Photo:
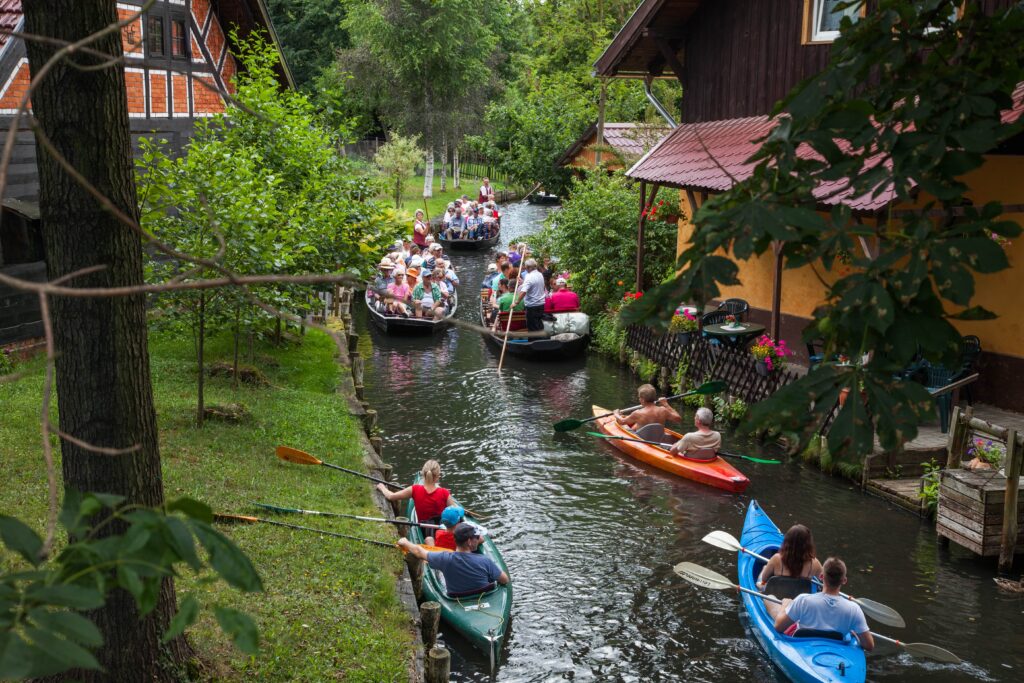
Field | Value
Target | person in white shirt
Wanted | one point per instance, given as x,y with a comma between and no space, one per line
485,191
827,610
533,295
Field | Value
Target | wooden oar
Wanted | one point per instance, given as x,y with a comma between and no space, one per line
304,458
876,610
246,519
702,576
664,447
716,387
383,520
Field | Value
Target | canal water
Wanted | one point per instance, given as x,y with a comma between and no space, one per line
590,537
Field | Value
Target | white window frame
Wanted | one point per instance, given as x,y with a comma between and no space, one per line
817,11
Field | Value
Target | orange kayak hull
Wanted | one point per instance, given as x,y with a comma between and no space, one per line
717,473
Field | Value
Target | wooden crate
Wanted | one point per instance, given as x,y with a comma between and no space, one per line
970,510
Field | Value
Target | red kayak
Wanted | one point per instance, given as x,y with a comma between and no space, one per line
717,472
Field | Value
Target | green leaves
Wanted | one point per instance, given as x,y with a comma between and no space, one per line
240,627
17,536
230,563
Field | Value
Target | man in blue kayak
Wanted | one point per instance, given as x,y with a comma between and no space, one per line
826,610
465,571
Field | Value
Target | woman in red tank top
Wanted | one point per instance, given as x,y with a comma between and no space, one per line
429,498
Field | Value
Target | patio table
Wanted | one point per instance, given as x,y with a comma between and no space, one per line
734,337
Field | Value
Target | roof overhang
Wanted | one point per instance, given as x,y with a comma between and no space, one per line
642,46
249,16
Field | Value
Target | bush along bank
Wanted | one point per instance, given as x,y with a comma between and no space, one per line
329,608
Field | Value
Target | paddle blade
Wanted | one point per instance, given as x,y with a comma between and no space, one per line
568,424
883,614
702,576
297,456
275,508
221,517
723,540
932,652
707,388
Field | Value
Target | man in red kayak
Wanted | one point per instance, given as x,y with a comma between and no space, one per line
652,411
702,444
827,610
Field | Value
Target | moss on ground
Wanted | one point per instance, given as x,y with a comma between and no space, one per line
329,610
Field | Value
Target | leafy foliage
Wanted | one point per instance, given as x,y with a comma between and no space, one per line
311,32
397,161
42,630
938,84
594,236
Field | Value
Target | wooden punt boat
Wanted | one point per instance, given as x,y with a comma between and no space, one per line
481,619
469,245
542,198
534,348
803,660
398,325
717,472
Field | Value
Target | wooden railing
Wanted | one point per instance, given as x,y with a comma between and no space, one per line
708,361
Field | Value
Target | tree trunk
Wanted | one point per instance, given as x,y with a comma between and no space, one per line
104,393
200,353
238,333
456,180
444,163
428,175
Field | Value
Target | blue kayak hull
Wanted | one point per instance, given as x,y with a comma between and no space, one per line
803,660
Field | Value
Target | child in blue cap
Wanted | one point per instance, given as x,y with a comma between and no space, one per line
450,518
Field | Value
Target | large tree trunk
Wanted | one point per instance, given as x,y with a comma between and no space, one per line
428,175
456,180
103,382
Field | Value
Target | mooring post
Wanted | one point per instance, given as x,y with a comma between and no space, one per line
403,529
1014,456
370,421
415,565
430,619
378,445
358,370
353,342
437,665
386,468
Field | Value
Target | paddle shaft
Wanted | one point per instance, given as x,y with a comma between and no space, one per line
636,407
299,511
508,326
662,446
364,476
253,520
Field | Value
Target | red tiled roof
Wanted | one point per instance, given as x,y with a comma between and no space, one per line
10,15
623,137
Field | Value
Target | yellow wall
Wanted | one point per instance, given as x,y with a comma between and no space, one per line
1001,178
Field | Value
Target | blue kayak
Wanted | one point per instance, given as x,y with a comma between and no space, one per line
801,659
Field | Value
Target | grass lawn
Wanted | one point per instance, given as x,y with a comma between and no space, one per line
412,197
329,610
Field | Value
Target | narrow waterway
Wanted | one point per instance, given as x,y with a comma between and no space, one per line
590,537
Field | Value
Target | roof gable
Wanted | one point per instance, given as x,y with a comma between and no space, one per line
634,52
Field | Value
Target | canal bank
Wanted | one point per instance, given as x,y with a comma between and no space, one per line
590,536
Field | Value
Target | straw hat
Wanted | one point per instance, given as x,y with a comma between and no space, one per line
386,264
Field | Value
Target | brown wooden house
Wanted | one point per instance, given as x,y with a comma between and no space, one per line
735,59
173,53
623,142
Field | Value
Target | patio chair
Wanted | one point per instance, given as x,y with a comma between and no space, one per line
970,350
736,307
712,318
937,377
815,352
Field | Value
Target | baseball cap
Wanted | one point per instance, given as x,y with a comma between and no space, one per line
465,531
492,267
452,516
397,244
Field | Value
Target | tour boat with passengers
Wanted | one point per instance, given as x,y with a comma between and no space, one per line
565,335
393,324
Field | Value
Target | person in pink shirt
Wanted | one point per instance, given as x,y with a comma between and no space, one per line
399,289
562,299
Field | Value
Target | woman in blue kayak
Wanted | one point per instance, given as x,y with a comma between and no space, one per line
795,559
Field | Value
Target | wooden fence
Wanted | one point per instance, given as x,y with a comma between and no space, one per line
707,361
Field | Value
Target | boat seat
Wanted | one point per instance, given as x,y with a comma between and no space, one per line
784,587
816,633
468,594
701,455
654,432
518,321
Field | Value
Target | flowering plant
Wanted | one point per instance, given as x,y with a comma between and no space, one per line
1000,240
986,450
631,296
771,352
683,323
731,319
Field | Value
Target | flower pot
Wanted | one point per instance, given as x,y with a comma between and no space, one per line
762,368
683,338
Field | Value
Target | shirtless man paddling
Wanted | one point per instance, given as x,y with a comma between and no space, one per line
652,410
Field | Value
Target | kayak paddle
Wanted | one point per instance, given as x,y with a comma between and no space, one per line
702,576
304,458
297,511
246,519
876,610
705,389
663,446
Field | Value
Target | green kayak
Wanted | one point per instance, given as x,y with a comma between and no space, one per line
481,619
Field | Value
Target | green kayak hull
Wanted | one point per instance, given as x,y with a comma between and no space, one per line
483,619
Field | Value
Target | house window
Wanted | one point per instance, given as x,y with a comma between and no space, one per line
822,20
179,38
155,33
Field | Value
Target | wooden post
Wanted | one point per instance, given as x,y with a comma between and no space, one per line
1014,456
776,323
353,342
378,446
358,368
370,421
430,619
600,121
664,378
403,529
415,565
437,665
640,237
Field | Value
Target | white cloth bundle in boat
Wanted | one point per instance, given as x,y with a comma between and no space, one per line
575,323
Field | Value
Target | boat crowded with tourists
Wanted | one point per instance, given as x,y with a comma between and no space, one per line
715,472
471,243
565,335
393,323
812,657
482,619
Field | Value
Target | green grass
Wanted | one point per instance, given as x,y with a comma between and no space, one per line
412,196
329,610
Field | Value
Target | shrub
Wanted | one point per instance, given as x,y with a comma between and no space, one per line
6,363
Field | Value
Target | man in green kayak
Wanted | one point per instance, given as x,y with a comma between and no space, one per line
465,571
826,610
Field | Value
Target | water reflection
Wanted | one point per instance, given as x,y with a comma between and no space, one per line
590,536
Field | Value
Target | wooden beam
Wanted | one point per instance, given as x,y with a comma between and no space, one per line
671,59
1014,456
776,323
600,122
640,236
